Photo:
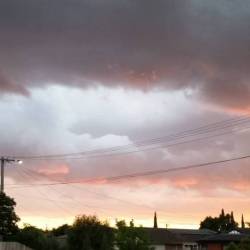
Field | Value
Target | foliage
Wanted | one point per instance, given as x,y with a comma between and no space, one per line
131,237
242,222
8,217
88,233
36,239
232,246
222,223
245,244
62,230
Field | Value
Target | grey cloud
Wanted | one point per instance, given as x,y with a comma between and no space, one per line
7,86
140,44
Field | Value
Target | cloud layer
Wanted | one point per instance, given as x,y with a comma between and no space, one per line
84,74
47,123
138,44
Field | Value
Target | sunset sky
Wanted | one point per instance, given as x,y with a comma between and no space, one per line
84,75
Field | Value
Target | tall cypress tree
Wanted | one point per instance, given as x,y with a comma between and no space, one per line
232,218
222,213
242,222
155,221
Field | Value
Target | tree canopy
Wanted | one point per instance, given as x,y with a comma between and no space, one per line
8,217
88,233
36,239
131,237
222,223
244,245
61,230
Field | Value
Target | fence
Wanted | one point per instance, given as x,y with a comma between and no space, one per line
13,246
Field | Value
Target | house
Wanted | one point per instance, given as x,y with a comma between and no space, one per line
190,237
163,239
221,240
168,239
176,239
244,231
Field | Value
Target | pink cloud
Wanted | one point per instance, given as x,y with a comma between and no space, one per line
55,170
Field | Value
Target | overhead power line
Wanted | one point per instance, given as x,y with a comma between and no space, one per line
137,174
35,175
228,126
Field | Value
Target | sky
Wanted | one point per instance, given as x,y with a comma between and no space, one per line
84,75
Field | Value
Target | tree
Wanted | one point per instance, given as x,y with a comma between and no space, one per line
8,217
222,223
242,221
62,230
232,246
245,244
36,238
210,223
222,213
88,233
131,237
155,220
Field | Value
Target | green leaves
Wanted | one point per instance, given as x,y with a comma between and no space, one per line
8,217
88,233
244,245
131,237
36,239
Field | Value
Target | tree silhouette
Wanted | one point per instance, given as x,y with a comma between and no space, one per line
155,221
245,244
36,239
242,222
8,217
61,230
232,246
88,233
131,237
222,223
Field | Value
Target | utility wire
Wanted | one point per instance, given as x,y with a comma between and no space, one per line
35,175
138,174
162,146
57,203
226,124
149,143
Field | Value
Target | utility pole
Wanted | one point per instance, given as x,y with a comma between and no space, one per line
3,161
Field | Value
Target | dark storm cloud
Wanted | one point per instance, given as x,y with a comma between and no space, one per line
202,45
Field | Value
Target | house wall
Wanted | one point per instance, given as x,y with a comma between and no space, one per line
173,247
13,246
190,246
159,247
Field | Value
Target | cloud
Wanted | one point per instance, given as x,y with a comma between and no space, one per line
7,86
54,170
135,44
